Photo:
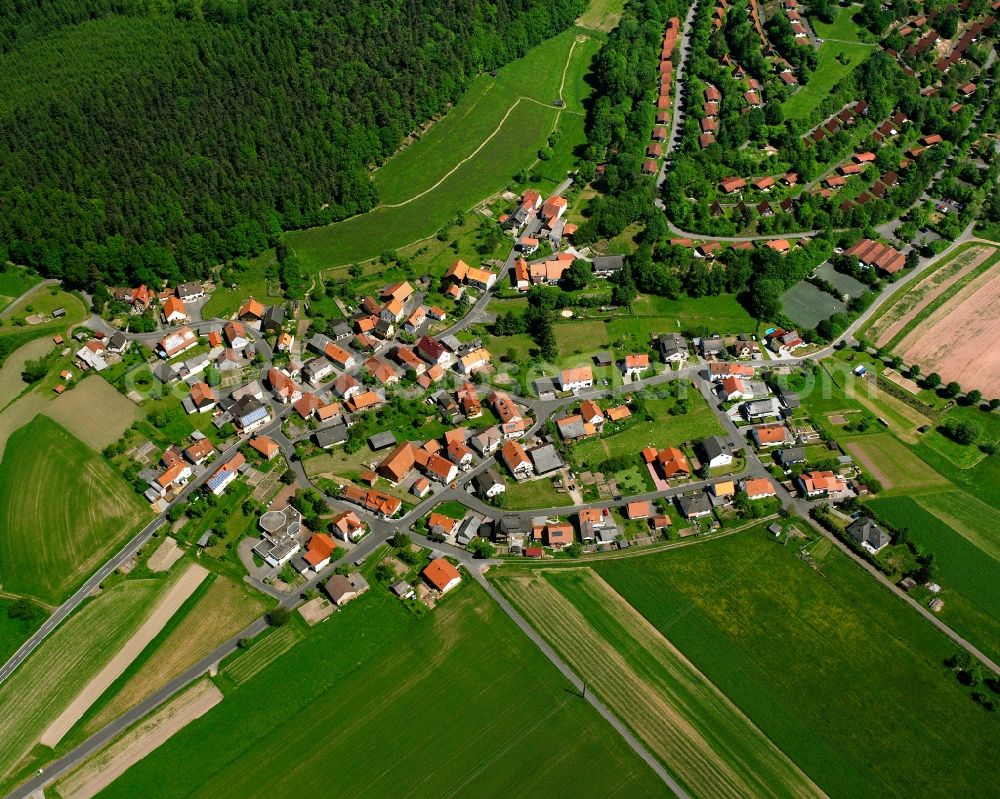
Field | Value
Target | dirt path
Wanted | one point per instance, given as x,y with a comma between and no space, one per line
168,605
107,765
958,340
935,285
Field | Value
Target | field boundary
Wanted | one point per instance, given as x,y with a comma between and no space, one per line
158,617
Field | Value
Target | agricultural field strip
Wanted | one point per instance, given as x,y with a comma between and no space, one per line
249,664
107,764
677,715
30,698
170,602
915,298
970,517
942,342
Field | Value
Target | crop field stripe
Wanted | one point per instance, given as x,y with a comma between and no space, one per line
970,517
262,654
661,710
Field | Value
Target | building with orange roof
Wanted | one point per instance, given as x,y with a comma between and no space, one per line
199,451
517,459
348,526
177,342
202,397
591,412
779,245
618,413
480,278
637,510
400,292
267,447
759,488
174,311
558,535
398,464
339,356
574,379
439,523
318,551
457,271
553,208
251,311
441,575
769,435
673,462
820,484
364,401
283,386
730,185
235,334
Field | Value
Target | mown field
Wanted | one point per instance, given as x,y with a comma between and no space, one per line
34,695
970,578
539,493
62,510
14,281
699,735
842,677
380,703
495,129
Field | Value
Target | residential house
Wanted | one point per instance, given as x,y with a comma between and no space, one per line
347,526
487,441
607,265
716,451
821,484
177,342
91,355
694,506
433,351
174,311
331,436
236,335
758,488
545,459
225,474
400,292
638,510
474,360
343,588
317,370
415,320
575,379
441,575
249,413
868,534
346,386
251,311
381,370
634,365
284,389
274,318
202,398
769,435
489,484
711,346
503,407
791,456
517,460
318,552
117,343
761,409
398,464
267,447
673,348
723,490
189,292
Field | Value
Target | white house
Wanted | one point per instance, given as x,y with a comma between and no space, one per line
574,379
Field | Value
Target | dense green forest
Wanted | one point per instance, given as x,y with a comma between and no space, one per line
144,140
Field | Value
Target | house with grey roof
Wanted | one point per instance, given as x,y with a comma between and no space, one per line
694,506
327,437
489,483
607,265
790,456
673,348
717,451
868,534
545,458
761,409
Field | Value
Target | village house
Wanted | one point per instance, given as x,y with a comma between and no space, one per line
868,534
716,451
225,474
346,386
343,588
189,292
267,447
694,506
670,461
201,398
317,370
769,435
441,575
347,526
634,365
274,318
251,311
433,351
517,460
174,311
821,484
249,413
673,348
236,335
575,379
758,488
284,389
489,484
177,342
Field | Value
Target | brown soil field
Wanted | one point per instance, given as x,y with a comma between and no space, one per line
925,292
168,605
317,609
958,340
104,767
223,610
712,748
94,412
165,556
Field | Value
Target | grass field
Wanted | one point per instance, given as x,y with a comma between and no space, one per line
31,698
15,631
602,14
94,412
970,578
494,130
62,509
663,431
700,736
843,283
894,464
842,677
968,515
14,281
381,703
251,282
218,614
843,27
829,71
539,493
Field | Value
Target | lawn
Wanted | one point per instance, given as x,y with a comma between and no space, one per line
494,130
968,515
817,660
843,27
843,283
829,71
579,337
382,703
699,735
62,511
664,430
42,300
720,313
970,578
30,699
540,493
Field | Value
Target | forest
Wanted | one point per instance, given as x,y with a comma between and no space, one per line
146,140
